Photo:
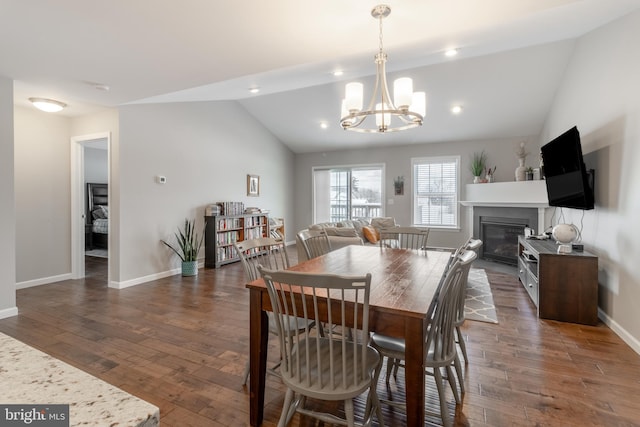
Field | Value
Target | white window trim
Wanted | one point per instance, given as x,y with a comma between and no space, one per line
382,166
436,159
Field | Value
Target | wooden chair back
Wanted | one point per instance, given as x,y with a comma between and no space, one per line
404,237
315,242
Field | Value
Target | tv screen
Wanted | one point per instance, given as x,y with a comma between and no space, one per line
569,184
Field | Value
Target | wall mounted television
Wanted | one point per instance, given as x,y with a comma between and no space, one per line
569,183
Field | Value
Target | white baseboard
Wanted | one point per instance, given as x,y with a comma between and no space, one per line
149,278
144,279
8,312
632,341
43,281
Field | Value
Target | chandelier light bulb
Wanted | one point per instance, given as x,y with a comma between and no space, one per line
383,117
403,92
419,103
353,96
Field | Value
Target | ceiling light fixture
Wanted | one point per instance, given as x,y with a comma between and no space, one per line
451,53
254,89
456,109
408,110
48,105
338,73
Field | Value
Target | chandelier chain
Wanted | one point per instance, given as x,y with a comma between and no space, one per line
380,36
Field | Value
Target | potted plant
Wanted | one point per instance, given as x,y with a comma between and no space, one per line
398,185
188,247
478,164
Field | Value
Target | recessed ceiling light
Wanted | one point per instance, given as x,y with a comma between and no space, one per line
254,89
48,105
456,109
324,125
338,73
450,53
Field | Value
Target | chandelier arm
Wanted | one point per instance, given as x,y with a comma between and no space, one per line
404,117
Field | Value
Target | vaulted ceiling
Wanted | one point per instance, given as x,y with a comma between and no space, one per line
512,55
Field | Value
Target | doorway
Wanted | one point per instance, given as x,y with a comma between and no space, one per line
90,163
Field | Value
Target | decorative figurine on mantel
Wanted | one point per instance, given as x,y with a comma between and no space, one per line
521,154
488,177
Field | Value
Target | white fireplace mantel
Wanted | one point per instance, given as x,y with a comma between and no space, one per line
518,194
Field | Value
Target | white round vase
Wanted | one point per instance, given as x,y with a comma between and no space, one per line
565,233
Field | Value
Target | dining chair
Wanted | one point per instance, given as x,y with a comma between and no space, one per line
404,237
474,246
400,237
440,340
324,367
270,253
315,242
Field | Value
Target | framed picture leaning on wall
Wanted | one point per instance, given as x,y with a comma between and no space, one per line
253,185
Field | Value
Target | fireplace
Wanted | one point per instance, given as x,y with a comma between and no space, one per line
500,238
499,228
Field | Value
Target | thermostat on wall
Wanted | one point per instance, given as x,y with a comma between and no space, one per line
160,179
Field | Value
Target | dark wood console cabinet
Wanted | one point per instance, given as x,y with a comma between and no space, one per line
563,287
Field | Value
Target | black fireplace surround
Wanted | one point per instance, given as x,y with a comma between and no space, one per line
499,228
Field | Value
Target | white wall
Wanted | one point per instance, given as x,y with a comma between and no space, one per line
43,203
600,93
205,150
397,160
7,203
95,165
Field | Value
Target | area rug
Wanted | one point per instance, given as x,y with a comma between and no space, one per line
479,303
100,253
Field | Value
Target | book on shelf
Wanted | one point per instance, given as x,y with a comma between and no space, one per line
212,210
231,208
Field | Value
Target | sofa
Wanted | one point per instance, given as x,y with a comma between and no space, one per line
350,232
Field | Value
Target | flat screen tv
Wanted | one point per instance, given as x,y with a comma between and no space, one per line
569,183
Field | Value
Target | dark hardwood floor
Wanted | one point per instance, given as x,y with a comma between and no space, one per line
182,344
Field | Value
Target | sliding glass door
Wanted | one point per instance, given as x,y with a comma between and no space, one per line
343,193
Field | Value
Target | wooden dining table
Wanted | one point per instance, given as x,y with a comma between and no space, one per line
403,285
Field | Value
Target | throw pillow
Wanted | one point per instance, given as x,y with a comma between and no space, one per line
340,231
321,225
383,222
371,234
100,212
346,232
356,224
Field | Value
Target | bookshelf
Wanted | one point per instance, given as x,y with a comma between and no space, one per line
222,231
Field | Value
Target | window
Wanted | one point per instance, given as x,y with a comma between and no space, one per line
435,191
343,193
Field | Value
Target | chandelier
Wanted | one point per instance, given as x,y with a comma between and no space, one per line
382,114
